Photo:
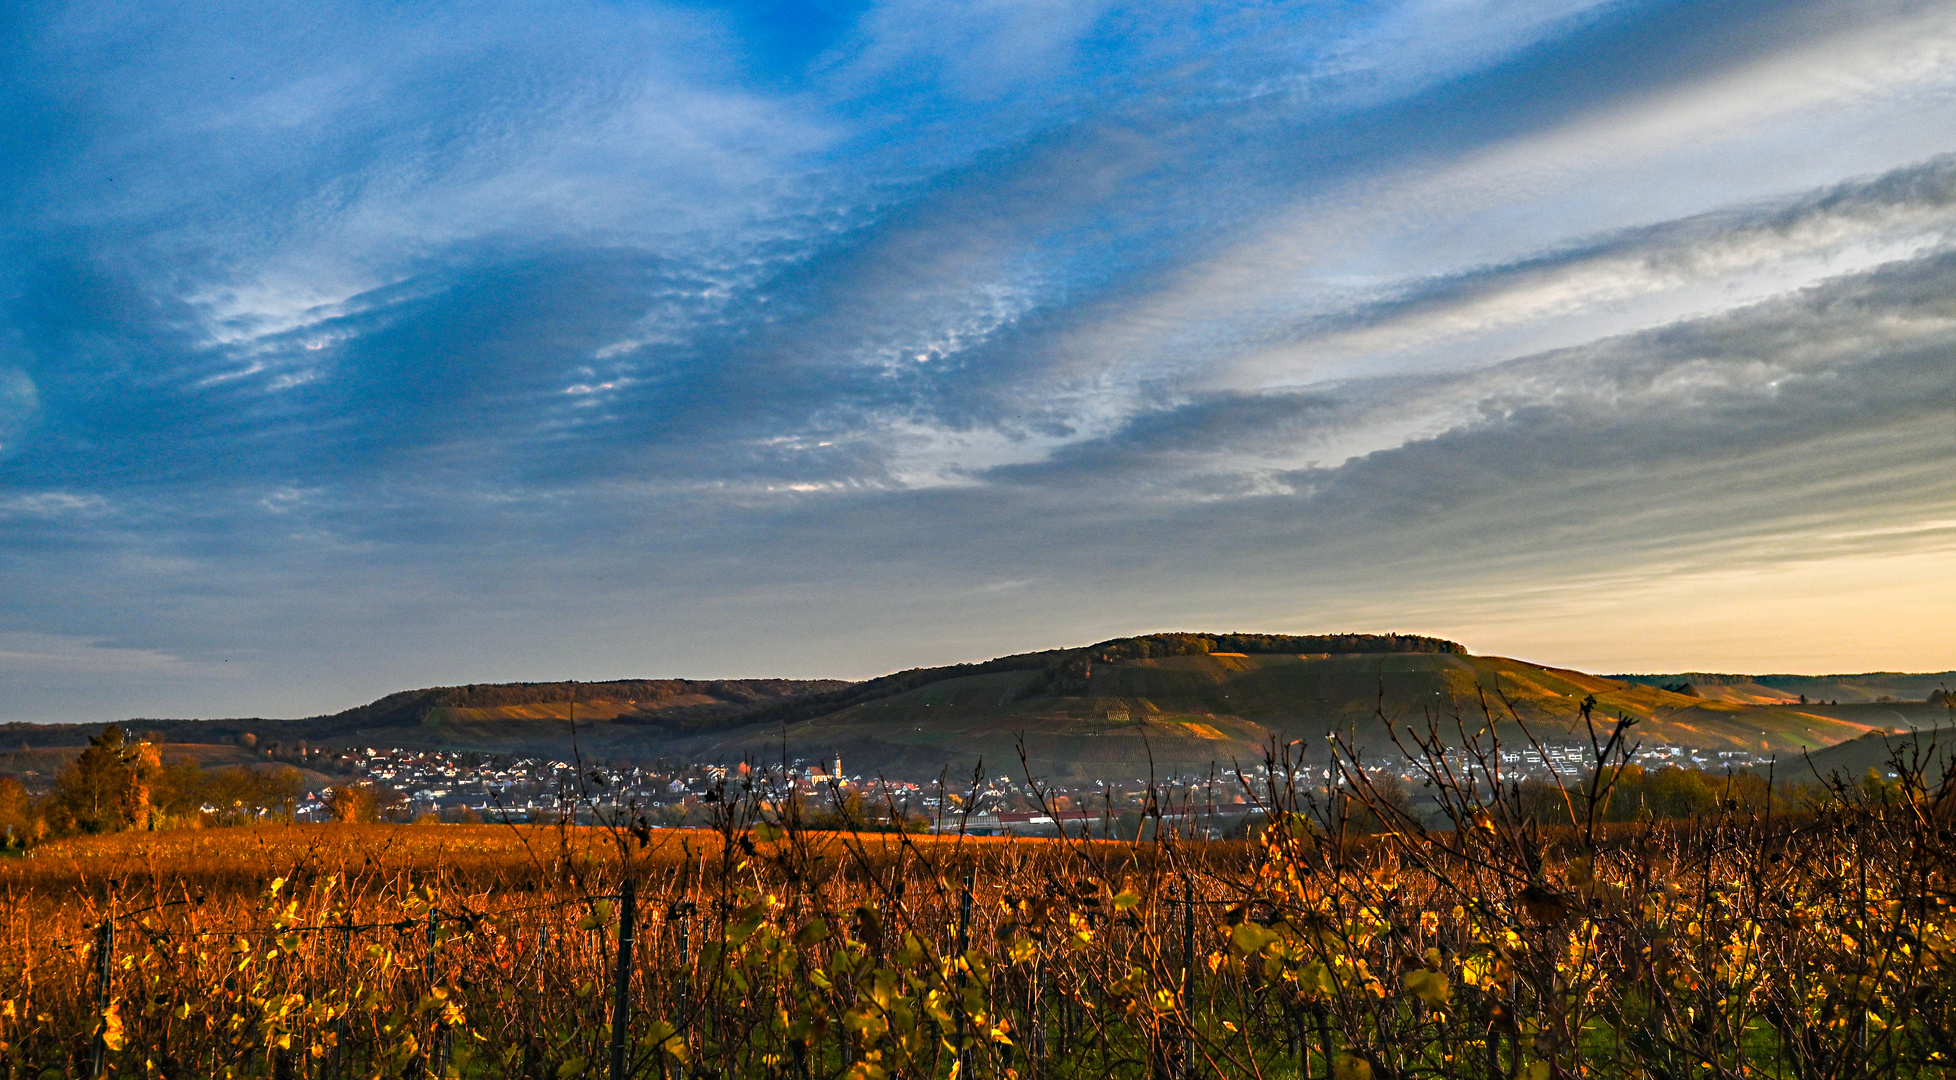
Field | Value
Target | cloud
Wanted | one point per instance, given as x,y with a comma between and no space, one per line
1596,162
52,504
30,654
19,405
1861,355
351,346
1645,277
978,52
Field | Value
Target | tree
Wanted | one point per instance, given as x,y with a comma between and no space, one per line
138,793
107,788
362,800
14,813
180,790
243,795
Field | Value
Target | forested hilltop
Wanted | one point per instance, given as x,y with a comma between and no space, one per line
498,715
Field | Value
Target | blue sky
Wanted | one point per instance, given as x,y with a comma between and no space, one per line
346,347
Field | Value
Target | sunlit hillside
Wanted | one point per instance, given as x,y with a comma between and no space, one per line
1866,688
1179,702
1193,711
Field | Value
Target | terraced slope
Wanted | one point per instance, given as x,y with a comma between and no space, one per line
1188,712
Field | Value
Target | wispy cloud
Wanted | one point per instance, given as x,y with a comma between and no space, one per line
350,345
45,654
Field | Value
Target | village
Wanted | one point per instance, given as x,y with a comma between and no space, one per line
468,786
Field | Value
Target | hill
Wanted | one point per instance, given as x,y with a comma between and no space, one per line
1185,700
608,713
1936,748
38,769
530,717
1190,701
1873,687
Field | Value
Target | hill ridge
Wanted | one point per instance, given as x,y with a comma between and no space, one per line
1062,668
1862,687
646,695
1182,699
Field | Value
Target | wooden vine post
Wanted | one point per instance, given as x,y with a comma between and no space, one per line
964,946
104,957
1188,975
621,1002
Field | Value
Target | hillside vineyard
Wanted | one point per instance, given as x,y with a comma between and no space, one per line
1346,940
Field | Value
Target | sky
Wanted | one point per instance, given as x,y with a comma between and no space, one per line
346,348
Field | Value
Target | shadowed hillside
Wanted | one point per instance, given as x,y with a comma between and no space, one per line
488,706
1931,749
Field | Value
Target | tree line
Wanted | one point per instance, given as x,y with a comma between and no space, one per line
1069,674
117,784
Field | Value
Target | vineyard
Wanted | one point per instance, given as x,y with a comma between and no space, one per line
1348,940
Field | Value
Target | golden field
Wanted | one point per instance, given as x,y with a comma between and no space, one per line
1344,942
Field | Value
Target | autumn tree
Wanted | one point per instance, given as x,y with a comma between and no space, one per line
362,800
241,795
108,787
139,791
15,812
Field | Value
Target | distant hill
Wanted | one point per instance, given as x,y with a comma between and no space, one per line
1186,700
1062,671
1853,759
1191,700
1870,687
38,768
483,716
676,701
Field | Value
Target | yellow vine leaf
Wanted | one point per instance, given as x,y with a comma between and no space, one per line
111,1028
1350,1067
1430,987
1249,938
